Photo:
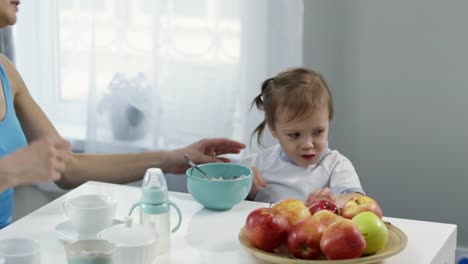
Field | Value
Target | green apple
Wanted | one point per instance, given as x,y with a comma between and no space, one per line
373,229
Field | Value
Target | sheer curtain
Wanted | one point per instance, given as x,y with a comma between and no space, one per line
136,75
6,43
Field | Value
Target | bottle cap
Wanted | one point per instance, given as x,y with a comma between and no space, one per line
154,187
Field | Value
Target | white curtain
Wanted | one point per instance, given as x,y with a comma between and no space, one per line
154,74
6,43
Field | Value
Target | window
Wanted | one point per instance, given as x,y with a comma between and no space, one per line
187,69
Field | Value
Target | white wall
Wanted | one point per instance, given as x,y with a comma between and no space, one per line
399,73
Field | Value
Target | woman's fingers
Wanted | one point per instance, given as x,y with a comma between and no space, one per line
56,150
219,146
56,175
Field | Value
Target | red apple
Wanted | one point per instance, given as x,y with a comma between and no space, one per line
323,205
359,204
342,240
304,238
266,229
293,209
326,217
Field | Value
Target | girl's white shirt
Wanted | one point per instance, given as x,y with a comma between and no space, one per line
287,180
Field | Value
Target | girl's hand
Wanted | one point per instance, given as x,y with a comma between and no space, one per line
323,194
257,184
41,160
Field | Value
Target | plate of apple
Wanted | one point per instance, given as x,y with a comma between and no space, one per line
291,232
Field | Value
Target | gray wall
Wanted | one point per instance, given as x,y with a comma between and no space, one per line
399,74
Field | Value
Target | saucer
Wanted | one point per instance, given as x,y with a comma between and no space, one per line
66,232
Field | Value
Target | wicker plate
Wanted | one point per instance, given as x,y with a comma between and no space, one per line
396,243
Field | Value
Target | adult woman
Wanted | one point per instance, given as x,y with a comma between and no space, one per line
31,150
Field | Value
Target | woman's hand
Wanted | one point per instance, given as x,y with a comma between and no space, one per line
322,194
203,151
41,160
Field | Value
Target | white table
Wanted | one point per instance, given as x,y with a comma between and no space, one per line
211,237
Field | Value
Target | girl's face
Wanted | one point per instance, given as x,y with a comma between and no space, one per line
8,9
304,140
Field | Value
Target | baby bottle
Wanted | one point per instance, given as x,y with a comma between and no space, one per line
154,208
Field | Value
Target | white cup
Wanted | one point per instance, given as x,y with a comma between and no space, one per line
90,213
93,251
19,251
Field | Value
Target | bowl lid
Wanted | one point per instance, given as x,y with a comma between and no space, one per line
129,234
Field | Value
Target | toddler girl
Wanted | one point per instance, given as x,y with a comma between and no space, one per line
298,108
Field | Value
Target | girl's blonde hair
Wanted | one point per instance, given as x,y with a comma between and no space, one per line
294,94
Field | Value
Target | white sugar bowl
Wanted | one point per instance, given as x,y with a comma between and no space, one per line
136,243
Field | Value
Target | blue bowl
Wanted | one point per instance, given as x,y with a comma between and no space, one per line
219,194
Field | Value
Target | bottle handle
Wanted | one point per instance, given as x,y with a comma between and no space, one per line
133,207
171,203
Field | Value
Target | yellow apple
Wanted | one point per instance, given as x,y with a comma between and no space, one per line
293,209
359,204
326,217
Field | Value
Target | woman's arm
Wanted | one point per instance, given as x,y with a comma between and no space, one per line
117,168
34,122
125,168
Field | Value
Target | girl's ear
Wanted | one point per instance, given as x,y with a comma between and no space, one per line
271,127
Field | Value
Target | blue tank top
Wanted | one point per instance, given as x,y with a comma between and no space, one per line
11,138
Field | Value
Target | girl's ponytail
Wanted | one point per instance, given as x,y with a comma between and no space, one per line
259,103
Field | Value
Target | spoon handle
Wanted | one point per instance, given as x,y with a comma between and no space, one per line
202,172
191,163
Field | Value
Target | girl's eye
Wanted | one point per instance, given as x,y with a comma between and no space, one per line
318,132
294,135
